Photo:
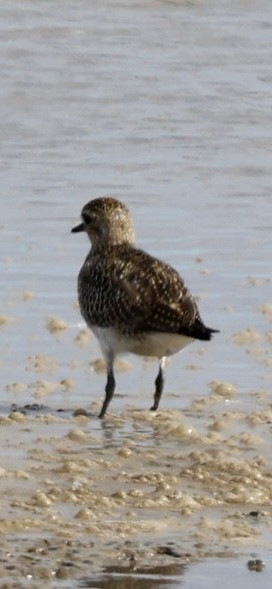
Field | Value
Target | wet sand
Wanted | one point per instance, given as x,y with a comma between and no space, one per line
166,105
138,495
137,491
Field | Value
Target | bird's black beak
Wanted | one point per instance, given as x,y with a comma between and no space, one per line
78,228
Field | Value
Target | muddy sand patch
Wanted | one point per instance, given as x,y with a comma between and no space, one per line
137,489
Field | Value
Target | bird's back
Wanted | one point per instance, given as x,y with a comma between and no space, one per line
130,290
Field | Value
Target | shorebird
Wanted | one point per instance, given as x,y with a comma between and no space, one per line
132,301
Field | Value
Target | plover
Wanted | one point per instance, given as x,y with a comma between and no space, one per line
133,302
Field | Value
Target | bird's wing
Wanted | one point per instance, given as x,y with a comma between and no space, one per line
147,294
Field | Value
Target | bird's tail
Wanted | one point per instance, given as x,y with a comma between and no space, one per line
199,331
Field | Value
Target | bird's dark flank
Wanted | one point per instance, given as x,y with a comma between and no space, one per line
132,301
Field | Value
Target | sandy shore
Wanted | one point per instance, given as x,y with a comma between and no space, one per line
137,490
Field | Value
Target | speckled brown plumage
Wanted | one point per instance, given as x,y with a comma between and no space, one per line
132,301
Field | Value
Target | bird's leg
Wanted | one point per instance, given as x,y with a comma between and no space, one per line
109,389
159,382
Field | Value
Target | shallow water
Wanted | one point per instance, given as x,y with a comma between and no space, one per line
166,105
213,571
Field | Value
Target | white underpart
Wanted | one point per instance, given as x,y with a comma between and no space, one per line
154,343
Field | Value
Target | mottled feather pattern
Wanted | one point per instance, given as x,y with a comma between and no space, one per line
129,289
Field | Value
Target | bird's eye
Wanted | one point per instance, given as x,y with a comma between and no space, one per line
86,218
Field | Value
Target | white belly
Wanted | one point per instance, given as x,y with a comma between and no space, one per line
153,344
